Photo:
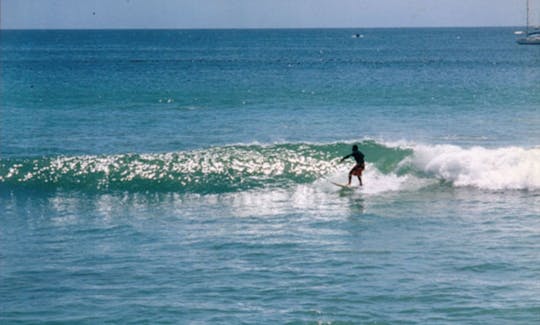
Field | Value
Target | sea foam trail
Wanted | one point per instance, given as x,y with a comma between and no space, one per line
512,168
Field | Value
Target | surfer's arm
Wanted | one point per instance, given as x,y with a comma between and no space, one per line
347,156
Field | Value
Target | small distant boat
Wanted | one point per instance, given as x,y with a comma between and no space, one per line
531,39
532,34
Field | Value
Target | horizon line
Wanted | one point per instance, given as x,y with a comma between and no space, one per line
257,28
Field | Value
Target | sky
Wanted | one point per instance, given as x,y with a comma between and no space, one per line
185,14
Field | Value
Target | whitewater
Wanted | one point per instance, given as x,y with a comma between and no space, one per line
185,176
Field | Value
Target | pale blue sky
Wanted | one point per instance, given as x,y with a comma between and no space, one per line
66,14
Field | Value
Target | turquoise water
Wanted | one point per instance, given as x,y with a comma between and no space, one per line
184,176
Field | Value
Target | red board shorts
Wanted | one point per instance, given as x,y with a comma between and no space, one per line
357,170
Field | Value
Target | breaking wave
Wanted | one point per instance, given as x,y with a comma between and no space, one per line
509,168
390,167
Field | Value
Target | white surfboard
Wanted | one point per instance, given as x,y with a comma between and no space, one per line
345,186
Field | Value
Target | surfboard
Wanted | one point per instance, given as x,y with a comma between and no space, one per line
345,186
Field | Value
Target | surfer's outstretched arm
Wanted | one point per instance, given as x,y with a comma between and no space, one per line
343,159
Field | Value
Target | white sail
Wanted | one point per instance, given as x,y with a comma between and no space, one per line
533,15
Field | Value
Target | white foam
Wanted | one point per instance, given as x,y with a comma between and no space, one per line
494,169
376,182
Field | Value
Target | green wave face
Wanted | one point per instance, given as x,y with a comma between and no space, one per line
215,170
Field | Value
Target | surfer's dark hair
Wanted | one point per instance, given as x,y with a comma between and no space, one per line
354,147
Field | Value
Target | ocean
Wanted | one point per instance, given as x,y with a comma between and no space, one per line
184,176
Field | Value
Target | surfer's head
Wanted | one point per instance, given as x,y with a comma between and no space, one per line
355,148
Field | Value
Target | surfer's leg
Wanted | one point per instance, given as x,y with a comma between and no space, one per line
358,173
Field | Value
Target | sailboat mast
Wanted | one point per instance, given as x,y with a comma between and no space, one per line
532,35
528,8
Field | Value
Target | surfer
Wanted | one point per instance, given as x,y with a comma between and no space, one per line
360,165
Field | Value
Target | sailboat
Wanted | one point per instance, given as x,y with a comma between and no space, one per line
532,35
